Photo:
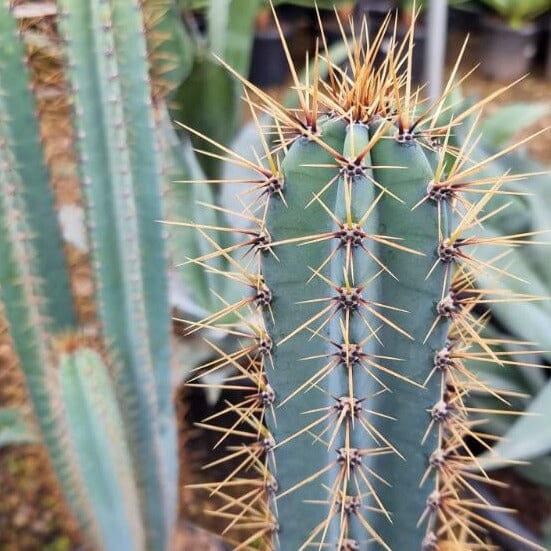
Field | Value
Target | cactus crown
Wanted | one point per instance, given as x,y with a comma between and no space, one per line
363,317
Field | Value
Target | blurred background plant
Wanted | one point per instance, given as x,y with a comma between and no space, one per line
188,84
517,14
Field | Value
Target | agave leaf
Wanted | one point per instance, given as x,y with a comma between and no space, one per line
530,435
218,14
248,145
540,206
516,12
528,321
181,205
206,101
169,42
538,471
239,35
194,288
505,123
505,377
547,541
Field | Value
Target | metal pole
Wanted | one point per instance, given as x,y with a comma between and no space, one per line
435,46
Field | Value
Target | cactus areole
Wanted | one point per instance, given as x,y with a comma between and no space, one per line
355,420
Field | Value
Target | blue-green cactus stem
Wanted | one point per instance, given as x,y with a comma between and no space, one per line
121,180
95,435
288,277
371,335
26,307
20,128
419,296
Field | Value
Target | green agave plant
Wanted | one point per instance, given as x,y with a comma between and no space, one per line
362,314
518,13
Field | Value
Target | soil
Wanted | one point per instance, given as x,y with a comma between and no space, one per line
533,503
32,515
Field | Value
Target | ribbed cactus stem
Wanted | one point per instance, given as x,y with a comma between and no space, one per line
420,295
72,398
357,419
287,276
110,431
367,297
95,436
20,127
26,308
121,176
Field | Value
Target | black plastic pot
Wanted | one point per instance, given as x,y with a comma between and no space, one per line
546,47
505,53
290,13
269,65
462,19
331,28
375,11
543,22
418,61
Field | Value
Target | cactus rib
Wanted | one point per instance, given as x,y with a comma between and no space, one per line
26,307
109,429
96,437
120,192
17,112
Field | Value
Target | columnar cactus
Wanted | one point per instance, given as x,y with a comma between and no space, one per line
355,420
104,407
120,171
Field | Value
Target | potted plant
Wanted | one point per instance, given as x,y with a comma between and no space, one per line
375,12
269,65
330,18
408,11
546,43
509,37
463,15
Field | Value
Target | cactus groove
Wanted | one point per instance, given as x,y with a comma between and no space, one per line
362,324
